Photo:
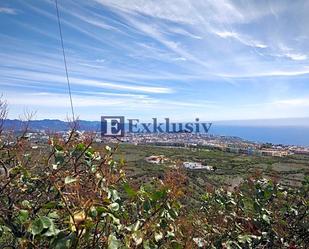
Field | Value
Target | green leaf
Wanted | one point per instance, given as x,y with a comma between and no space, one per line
62,241
170,234
163,224
244,239
80,147
173,213
23,215
176,245
137,237
114,195
266,218
89,153
36,226
26,204
134,227
147,206
147,244
78,150
101,210
53,215
158,236
113,242
52,231
158,195
130,191
115,220
59,158
58,147
114,207
1,231
248,205
69,179
50,205
39,224
93,212
47,222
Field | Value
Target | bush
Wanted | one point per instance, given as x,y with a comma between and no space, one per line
258,214
71,196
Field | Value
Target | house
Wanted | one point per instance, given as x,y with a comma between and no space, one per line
197,165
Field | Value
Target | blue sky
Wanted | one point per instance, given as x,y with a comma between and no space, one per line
217,60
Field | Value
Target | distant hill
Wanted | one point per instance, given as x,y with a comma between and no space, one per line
59,125
51,125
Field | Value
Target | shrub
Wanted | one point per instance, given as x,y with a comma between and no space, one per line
70,196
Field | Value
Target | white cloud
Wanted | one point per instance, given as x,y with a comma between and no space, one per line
51,78
180,59
241,38
173,10
296,57
154,32
291,53
181,31
135,88
270,73
190,12
84,100
8,11
116,101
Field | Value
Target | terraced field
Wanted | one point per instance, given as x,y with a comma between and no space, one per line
230,168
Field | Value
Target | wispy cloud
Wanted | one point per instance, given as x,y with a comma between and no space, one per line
9,11
31,100
180,59
58,79
241,38
296,57
287,52
270,73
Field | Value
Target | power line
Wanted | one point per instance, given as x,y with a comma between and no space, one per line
64,60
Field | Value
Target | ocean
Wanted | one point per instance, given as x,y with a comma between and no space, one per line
287,135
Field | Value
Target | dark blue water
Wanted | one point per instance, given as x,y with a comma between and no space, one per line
287,135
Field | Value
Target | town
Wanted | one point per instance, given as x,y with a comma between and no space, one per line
189,140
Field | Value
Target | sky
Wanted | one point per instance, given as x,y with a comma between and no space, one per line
182,59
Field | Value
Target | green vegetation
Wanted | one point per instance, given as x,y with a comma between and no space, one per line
230,167
70,196
76,194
